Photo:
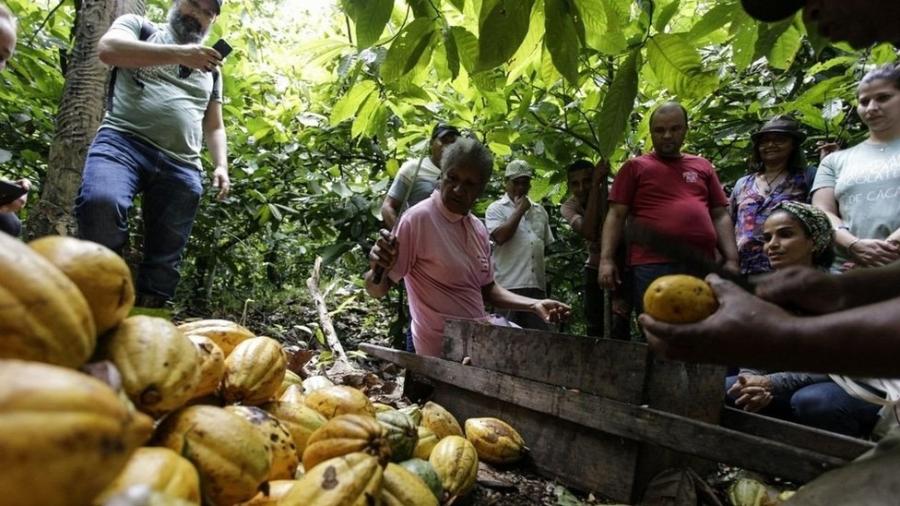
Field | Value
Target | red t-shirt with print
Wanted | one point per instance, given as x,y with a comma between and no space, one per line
671,196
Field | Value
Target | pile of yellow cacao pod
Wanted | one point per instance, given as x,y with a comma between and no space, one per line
99,408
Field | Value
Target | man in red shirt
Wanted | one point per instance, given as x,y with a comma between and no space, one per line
676,194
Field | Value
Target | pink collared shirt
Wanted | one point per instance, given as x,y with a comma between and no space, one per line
445,259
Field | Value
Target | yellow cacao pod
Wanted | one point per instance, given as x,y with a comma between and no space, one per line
254,371
211,365
293,394
300,420
64,436
313,383
229,453
495,440
43,315
276,490
400,487
456,462
340,400
350,480
285,458
290,378
157,362
425,443
226,334
440,421
343,435
162,470
102,276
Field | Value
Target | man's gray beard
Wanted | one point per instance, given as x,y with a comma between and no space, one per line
182,30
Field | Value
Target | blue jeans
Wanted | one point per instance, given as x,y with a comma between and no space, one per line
823,405
118,167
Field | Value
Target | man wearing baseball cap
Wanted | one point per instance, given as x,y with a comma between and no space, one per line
165,100
418,177
520,231
859,22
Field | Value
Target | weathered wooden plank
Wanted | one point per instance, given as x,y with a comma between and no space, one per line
606,367
577,456
621,419
691,390
801,436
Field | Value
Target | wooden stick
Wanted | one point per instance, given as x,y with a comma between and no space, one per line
622,419
331,337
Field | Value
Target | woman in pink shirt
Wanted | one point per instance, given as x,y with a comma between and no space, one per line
443,254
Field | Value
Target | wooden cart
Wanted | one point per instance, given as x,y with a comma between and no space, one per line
605,416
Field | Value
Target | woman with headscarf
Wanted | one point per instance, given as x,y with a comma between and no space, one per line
800,234
778,174
859,187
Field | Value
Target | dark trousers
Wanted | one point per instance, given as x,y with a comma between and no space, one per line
118,167
526,319
823,405
10,224
593,307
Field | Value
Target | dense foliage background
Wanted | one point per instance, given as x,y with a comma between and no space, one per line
325,101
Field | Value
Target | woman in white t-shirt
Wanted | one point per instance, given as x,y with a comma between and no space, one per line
859,187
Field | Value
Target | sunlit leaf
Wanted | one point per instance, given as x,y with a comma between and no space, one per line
467,44
743,44
618,104
370,17
721,14
502,27
785,48
677,65
602,26
665,14
347,106
406,50
563,45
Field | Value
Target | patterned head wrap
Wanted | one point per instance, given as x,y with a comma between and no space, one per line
814,220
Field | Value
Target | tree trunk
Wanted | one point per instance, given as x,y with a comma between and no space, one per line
80,111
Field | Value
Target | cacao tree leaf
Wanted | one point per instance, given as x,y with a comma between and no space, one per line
406,50
563,45
785,48
618,104
883,54
602,26
424,8
743,44
452,52
467,45
721,14
347,106
502,27
459,4
529,52
677,65
769,33
665,14
370,17
364,116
